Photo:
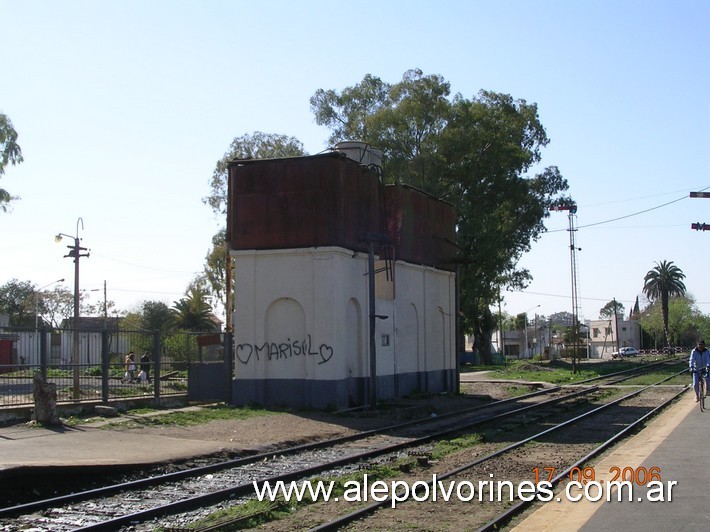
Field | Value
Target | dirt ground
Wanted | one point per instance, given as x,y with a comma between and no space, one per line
273,431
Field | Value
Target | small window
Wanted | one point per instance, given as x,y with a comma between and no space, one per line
385,340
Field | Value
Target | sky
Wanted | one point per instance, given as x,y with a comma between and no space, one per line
123,108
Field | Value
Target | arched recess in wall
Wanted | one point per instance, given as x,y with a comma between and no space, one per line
285,322
449,357
443,335
355,357
354,353
408,340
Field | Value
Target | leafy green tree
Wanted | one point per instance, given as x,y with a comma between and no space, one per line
561,319
682,321
156,316
520,320
349,112
256,146
193,312
661,283
474,153
702,328
214,277
17,300
10,153
611,309
685,322
505,320
58,305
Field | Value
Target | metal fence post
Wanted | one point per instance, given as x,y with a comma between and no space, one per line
43,358
229,364
104,366
156,366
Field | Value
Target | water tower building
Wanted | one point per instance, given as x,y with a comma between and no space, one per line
344,288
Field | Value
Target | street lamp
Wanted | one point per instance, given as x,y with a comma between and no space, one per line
75,253
526,330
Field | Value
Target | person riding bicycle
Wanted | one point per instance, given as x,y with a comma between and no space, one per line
699,359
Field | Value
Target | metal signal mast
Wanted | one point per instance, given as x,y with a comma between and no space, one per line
572,216
700,226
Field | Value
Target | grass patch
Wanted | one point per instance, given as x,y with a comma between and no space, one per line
561,371
210,413
183,418
444,448
516,391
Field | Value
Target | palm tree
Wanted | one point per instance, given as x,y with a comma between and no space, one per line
663,282
193,312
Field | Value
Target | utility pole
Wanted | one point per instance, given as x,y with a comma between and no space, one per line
572,208
75,253
105,307
616,325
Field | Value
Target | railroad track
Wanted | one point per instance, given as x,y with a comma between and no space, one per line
130,503
520,461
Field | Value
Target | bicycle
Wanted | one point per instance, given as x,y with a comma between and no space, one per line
701,390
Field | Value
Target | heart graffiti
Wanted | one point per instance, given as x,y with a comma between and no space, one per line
284,350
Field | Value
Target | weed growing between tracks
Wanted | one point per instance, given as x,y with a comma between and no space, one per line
254,513
446,447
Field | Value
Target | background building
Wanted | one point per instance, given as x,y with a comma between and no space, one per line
607,336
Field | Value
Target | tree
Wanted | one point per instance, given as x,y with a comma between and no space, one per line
662,282
10,153
474,153
58,305
17,300
214,277
23,303
193,312
156,316
612,309
685,322
348,114
636,310
256,146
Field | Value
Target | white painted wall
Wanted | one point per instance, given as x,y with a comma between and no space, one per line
303,313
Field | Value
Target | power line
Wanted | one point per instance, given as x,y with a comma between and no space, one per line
569,297
633,214
627,215
142,265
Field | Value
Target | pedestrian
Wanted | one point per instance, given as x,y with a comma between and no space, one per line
130,364
144,375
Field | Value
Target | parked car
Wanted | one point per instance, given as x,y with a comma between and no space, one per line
625,352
